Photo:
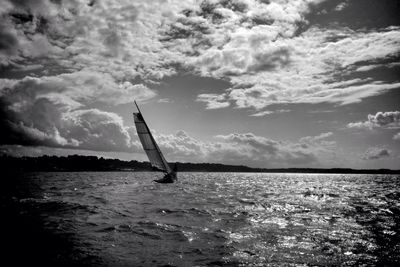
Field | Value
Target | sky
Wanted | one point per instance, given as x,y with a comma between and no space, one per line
263,83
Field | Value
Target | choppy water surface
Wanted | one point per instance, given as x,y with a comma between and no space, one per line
206,219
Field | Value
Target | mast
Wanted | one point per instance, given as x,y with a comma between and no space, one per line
137,107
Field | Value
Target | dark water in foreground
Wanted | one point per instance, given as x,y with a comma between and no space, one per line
206,219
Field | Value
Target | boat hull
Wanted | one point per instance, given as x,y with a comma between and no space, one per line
167,179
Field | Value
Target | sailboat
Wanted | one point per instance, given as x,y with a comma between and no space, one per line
152,150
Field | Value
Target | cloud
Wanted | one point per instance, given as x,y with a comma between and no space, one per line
341,6
83,86
91,52
264,150
213,101
264,45
376,153
374,66
165,100
97,130
269,112
247,148
313,139
8,40
42,124
225,38
118,37
261,43
311,74
52,111
259,97
26,27
389,119
181,146
284,66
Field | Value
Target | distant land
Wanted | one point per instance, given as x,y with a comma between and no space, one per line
93,163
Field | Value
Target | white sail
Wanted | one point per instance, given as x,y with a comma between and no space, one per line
150,146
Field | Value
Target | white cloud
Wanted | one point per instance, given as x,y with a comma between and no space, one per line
389,119
117,37
93,53
269,112
97,130
306,71
83,86
313,139
263,113
374,66
260,45
341,6
165,100
243,41
260,96
213,101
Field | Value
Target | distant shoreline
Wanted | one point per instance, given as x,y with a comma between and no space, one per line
77,163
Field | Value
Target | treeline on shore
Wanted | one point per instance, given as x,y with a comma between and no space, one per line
93,163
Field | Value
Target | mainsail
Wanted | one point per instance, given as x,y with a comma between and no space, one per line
150,146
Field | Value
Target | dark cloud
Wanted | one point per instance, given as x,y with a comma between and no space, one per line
25,31
261,20
9,134
35,7
235,5
46,112
97,130
376,153
268,52
35,125
266,151
211,10
44,123
21,18
267,61
356,14
8,41
301,158
92,2
189,26
385,118
263,145
246,148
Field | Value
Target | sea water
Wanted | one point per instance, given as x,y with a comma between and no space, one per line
205,219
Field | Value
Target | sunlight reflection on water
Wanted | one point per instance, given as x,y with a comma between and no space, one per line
220,219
